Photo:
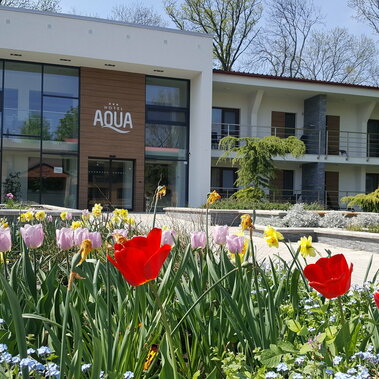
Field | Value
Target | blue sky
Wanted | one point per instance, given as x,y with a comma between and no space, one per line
337,12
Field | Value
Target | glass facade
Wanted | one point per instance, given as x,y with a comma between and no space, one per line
166,139
40,131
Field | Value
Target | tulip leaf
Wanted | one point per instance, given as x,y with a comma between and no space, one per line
272,357
294,325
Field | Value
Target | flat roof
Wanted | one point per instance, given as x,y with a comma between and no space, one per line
283,78
104,20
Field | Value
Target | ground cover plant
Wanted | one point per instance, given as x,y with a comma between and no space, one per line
104,297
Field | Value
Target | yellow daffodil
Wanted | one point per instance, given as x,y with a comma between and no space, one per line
115,220
40,215
96,210
63,216
130,221
29,216
213,196
161,191
246,222
272,237
85,249
306,248
122,213
22,217
76,224
150,357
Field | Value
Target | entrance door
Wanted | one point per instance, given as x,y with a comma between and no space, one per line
332,189
110,182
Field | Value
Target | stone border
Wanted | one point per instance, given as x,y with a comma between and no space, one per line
338,237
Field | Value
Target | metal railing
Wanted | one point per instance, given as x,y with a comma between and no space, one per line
317,142
328,199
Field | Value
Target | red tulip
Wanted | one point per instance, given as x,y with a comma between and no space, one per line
330,276
140,259
376,298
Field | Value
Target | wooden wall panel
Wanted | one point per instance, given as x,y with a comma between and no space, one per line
98,89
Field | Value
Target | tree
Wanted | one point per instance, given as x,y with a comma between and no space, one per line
233,24
339,56
367,10
137,14
281,46
68,125
42,5
32,127
254,157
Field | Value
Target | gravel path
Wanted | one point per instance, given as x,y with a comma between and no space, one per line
360,259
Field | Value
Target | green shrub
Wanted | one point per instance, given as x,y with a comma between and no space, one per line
368,203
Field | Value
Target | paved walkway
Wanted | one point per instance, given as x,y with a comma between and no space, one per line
360,259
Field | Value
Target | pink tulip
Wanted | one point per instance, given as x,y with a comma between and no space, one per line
235,243
5,239
65,238
168,237
32,235
49,218
198,240
219,234
80,234
95,238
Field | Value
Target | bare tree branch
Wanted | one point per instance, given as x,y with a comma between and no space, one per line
367,10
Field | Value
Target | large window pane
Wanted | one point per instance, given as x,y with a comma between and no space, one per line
166,140
59,180
61,81
172,174
22,98
21,173
60,123
166,92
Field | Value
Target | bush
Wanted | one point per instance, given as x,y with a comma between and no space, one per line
364,221
333,220
368,203
298,217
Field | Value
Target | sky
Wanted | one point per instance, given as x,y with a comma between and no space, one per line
336,11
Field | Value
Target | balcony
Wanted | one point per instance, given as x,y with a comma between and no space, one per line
318,142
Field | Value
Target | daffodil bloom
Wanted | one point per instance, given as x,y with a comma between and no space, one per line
306,248
150,357
40,215
96,210
272,237
76,224
161,191
246,222
85,249
130,221
29,216
115,220
63,216
213,196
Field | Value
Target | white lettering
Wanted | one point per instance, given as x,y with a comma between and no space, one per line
128,120
117,121
108,119
98,118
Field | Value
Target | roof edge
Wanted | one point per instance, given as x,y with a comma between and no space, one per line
104,20
301,80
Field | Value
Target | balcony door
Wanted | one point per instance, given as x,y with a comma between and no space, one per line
283,124
333,128
110,182
225,122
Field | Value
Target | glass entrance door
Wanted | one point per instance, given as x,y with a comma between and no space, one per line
110,182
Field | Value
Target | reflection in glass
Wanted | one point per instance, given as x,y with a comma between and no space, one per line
110,182
167,92
61,81
22,97
172,174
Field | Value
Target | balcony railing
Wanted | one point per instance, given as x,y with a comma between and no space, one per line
329,199
317,142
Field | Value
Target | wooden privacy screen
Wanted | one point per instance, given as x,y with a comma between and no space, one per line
105,99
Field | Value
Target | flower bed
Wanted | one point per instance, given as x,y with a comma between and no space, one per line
103,297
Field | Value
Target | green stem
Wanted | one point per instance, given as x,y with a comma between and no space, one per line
167,329
200,298
339,302
109,315
155,208
206,228
62,360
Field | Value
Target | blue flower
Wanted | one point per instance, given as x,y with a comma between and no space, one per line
101,374
16,359
341,375
337,360
30,351
2,321
39,367
30,363
128,375
52,369
3,347
43,351
351,371
281,367
86,367
271,374
7,357
296,375
299,360
329,371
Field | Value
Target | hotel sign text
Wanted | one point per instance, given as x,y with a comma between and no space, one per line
113,117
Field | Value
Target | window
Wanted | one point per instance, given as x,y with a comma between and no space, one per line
372,182
223,179
225,122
